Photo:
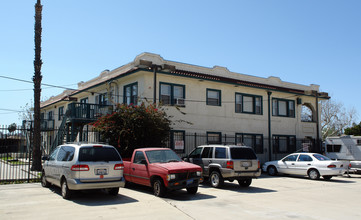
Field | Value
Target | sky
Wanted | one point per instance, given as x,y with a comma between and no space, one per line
300,41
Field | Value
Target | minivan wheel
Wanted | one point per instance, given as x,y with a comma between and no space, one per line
216,179
44,182
244,182
65,191
113,191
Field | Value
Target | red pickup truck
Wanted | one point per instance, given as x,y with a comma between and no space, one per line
162,169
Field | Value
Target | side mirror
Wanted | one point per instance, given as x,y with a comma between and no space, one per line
45,157
185,159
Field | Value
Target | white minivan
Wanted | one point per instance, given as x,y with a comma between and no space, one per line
82,167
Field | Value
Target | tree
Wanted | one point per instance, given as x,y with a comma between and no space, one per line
130,127
36,165
354,130
335,118
12,128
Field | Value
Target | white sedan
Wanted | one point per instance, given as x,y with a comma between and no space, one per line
312,164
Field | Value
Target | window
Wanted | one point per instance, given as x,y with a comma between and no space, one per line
196,153
251,140
54,153
60,113
291,158
284,144
213,97
172,94
248,104
220,153
214,138
207,152
333,147
358,142
89,154
178,141
304,157
101,99
283,108
66,153
131,94
139,157
50,115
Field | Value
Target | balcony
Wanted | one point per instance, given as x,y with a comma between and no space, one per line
83,113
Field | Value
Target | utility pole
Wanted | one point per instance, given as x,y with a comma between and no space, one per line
36,164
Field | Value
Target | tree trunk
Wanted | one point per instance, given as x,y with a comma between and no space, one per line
36,164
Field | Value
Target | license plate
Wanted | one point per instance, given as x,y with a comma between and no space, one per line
246,164
189,181
101,171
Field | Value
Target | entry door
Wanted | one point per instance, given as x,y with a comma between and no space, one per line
139,169
288,164
302,164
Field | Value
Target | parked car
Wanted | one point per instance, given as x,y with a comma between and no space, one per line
312,164
82,167
222,162
163,170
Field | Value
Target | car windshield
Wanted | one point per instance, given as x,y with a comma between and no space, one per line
242,153
98,154
162,156
321,157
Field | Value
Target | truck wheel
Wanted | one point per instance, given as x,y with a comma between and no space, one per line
159,189
245,182
216,179
192,190
113,191
65,191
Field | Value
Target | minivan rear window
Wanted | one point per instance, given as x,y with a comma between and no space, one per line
242,153
98,154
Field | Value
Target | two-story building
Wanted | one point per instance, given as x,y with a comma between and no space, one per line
209,105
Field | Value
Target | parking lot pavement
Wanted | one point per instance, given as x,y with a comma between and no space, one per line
279,197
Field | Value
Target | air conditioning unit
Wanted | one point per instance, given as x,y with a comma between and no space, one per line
179,102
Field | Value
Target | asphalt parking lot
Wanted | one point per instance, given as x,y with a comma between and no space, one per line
280,197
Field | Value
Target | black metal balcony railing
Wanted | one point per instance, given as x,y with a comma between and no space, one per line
88,111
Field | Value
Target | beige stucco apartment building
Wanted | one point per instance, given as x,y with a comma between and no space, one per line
272,116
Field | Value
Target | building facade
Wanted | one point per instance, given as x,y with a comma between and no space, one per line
272,116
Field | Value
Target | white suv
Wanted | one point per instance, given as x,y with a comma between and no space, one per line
83,167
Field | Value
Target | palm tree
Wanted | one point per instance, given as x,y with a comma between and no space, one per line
36,165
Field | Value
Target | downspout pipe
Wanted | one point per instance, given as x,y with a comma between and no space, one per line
155,69
269,127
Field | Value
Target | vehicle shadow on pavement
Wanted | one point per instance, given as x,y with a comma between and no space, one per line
236,188
181,195
343,179
95,197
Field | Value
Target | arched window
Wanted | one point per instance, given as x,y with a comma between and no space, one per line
307,113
